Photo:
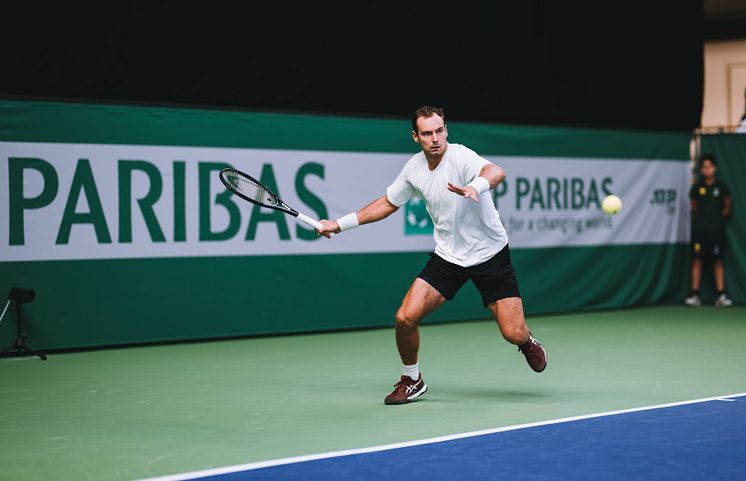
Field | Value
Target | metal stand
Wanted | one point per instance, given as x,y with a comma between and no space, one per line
19,347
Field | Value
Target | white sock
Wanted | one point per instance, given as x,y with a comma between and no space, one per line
412,371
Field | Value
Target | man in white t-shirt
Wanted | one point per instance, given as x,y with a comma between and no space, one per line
470,244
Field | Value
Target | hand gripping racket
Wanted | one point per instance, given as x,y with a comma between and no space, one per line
248,188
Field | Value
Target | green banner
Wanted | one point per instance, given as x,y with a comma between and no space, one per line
115,216
26,121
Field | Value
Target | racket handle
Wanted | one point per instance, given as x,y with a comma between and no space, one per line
312,222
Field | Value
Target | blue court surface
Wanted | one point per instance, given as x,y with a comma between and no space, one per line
695,440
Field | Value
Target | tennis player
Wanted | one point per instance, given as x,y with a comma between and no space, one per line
470,244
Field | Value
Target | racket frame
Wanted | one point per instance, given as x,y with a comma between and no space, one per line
281,206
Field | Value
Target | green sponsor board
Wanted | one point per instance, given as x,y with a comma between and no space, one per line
98,201
123,301
116,217
30,121
416,219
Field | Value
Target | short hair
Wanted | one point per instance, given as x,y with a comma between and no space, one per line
426,111
709,157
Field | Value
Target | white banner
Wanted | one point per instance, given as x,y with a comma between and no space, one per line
90,201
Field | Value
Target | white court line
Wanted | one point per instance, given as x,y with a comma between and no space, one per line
440,439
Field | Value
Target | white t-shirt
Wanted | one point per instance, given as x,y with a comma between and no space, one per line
466,233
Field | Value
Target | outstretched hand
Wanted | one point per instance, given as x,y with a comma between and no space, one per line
328,227
468,191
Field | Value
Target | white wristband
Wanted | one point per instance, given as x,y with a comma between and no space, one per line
480,184
348,222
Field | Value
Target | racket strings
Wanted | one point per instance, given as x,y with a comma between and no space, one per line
253,190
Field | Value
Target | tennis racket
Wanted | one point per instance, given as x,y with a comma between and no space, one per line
248,188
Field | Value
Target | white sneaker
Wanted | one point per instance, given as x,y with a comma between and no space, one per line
723,301
693,301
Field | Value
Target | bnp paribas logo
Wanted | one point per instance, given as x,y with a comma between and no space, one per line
416,219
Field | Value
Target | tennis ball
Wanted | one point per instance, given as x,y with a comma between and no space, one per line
611,204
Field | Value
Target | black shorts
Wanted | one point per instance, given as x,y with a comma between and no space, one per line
495,278
708,245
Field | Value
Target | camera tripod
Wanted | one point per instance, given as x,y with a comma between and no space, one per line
20,296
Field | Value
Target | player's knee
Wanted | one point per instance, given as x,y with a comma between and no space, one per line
405,320
515,334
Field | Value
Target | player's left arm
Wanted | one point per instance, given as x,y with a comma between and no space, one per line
490,175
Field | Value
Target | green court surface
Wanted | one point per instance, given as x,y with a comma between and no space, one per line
131,413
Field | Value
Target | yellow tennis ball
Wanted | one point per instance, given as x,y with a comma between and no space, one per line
611,204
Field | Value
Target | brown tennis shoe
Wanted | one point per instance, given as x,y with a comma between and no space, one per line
535,354
406,390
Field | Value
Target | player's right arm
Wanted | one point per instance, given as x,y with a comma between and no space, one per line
397,194
377,210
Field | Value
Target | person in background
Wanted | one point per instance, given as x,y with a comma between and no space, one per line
710,206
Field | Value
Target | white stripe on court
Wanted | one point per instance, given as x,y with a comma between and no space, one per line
440,439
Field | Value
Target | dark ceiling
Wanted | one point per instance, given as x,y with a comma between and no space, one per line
724,19
628,65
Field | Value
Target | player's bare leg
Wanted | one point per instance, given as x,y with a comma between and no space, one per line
421,299
693,299
722,299
696,274
508,313
719,271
